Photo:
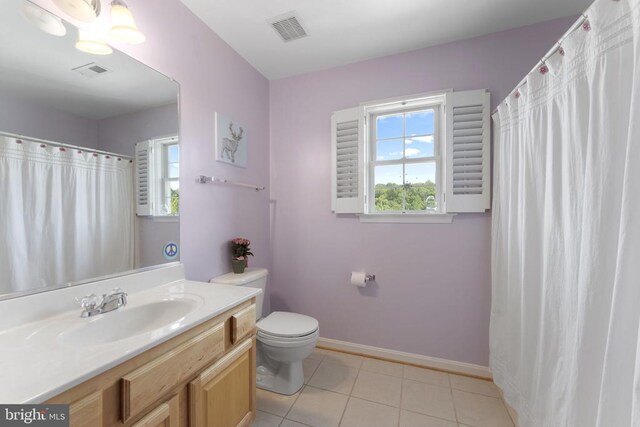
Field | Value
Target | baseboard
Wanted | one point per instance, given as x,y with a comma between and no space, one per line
407,358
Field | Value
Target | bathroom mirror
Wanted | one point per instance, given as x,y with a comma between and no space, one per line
72,209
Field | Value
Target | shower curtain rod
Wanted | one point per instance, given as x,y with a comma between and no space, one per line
556,47
63,145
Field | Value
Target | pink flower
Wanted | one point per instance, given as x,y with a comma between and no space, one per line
241,241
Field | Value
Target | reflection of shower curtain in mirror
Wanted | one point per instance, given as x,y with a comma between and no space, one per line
65,215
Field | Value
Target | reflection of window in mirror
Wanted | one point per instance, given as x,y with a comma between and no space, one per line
169,194
157,177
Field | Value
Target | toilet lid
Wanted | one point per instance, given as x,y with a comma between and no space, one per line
283,324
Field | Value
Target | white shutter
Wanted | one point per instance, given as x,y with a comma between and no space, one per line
468,151
144,178
347,154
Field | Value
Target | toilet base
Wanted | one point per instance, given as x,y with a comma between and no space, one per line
286,378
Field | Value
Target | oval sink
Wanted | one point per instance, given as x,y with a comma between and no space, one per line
127,322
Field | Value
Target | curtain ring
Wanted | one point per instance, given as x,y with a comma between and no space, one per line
544,69
586,25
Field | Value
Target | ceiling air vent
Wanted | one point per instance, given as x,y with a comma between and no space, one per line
91,70
288,26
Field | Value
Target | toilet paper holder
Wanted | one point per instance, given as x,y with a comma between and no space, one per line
369,278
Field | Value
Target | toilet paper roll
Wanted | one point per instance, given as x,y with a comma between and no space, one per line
359,279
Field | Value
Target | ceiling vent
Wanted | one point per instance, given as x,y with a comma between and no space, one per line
91,70
288,26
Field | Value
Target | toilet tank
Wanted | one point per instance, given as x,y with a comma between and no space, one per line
252,277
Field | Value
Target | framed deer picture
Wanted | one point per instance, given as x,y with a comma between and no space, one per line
231,142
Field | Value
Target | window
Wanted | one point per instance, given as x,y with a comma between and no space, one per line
157,177
422,157
404,161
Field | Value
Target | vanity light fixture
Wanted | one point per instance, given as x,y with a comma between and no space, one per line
82,10
44,20
89,43
123,27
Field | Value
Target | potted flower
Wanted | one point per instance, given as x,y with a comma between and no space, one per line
241,251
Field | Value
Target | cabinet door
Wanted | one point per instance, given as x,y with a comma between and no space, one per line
224,395
165,415
87,412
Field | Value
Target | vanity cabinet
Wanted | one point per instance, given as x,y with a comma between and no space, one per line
224,394
165,415
204,377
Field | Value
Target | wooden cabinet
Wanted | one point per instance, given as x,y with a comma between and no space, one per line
204,377
165,415
87,412
223,395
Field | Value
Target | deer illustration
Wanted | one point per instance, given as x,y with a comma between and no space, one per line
230,146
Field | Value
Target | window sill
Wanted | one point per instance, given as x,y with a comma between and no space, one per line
439,218
167,218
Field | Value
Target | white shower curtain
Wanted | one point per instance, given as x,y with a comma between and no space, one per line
565,342
65,215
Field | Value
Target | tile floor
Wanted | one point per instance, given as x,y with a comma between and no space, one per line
353,391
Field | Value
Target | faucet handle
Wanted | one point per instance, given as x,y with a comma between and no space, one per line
89,302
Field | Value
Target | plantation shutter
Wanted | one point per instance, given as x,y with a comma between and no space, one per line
144,178
347,154
468,146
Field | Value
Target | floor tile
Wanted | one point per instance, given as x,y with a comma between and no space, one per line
361,413
378,388
343,358
382,367
480,411
309,365
273,403
411,419
318,408
427,399
474,385
426,376
289,423
264,419
334,377
318,353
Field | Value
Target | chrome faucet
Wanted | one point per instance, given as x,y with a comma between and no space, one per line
93,304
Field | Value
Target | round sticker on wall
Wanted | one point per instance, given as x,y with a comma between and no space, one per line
170,251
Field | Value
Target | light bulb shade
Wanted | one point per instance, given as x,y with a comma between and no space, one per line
89,43
82,10
123,27
44,20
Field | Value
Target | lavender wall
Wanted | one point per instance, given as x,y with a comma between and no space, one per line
212,77
433,290
23,117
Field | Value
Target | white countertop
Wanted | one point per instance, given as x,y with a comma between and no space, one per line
36,363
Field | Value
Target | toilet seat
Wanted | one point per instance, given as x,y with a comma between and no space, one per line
283,326
287,342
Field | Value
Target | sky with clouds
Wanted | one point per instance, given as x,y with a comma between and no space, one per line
409,135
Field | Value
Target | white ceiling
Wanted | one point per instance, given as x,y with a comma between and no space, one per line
346,31
37,67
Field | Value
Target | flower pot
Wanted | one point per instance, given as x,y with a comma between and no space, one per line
238,265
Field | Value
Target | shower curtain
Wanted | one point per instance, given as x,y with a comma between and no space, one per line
65,215
565,330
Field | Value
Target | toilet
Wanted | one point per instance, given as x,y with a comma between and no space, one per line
284,339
